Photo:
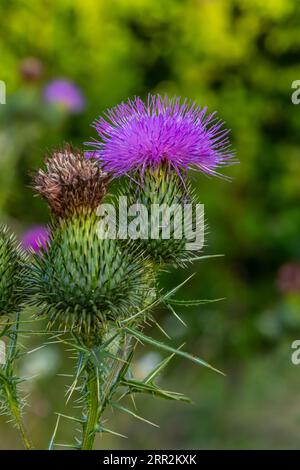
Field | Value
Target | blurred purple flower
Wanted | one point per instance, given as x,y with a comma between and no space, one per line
65,93
289,278
136,135
35,238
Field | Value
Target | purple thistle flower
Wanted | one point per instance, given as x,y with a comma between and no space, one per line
35,238
65,93
137,135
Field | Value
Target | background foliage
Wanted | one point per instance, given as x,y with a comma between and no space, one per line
235,56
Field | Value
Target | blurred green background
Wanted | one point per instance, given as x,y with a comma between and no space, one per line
238,57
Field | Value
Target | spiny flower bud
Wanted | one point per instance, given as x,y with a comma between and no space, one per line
71,183
82,281
12,262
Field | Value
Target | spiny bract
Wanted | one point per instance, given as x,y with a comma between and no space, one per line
81,281
12,262
171,222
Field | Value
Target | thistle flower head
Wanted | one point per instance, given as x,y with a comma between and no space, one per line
12,262
82,281
64,93
137,135
71,183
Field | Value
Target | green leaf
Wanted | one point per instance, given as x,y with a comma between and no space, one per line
72,418
109,431
82,361
69,446
3,377
51,443
198,258
125,366
140,336
151,389
159,368
132,413
161,329
175,314
192,303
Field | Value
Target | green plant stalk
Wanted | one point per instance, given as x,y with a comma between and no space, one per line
94,410
11,389
17,415
98,399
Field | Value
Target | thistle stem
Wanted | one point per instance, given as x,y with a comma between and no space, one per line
11,388
97,403
17,415
93,410
99,392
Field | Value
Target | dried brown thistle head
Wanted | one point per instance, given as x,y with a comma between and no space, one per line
71,183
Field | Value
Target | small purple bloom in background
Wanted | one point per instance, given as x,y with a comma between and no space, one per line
66,94
35,238
137,135
289,278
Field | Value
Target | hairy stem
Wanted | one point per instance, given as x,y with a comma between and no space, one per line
11,387
17,415
99,391
93,409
